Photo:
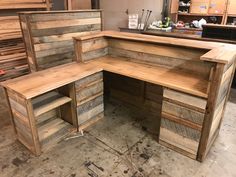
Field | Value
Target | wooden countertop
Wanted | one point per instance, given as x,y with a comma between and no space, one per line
41,82
37,83
207,45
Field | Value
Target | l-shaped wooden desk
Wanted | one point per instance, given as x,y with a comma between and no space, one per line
194,77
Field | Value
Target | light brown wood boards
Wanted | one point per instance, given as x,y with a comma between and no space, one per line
190,109
13,60
89,96
182,120
43,120
48,35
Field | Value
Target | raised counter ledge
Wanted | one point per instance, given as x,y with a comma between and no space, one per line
226,50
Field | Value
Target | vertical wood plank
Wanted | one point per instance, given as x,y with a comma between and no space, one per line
210,110
34,130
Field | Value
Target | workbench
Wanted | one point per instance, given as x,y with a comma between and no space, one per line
192,77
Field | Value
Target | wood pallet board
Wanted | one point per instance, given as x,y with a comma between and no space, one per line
48,35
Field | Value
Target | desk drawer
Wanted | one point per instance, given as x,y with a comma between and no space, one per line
89,97
180,138
89,87
181,122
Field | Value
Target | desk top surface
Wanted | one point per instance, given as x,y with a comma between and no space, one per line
41,82
226,54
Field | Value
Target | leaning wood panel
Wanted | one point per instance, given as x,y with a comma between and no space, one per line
48,35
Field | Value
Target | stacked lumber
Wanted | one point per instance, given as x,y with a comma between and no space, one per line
25,4
13,60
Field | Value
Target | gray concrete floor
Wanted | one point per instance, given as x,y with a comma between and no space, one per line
118,146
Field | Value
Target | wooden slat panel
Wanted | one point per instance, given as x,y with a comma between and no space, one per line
63,16
188,101
182,112
64,30
90,45
179,141
94,54
93,113
61,37
88,80
51,35
198,67
90,91
181,129
160,50
65,23
18,107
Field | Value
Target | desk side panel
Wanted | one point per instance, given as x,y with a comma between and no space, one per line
21,120
220,105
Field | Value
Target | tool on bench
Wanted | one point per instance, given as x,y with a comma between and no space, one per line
140,21
148,17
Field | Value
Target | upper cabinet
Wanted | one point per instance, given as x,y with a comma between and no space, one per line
174,6
199,6
218,6
232,7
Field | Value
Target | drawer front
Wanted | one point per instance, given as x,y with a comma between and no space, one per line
89,96
181,122
181,112
88,80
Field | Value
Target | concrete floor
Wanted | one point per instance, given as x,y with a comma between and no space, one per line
118,146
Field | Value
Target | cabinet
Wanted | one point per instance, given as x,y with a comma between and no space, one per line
199,6
78,4
43,120
232,7
217,7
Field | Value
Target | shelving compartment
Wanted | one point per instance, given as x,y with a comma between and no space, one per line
54,115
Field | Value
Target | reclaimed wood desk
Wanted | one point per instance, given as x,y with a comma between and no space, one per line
194,78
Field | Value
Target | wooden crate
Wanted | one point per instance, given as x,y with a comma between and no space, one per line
48,35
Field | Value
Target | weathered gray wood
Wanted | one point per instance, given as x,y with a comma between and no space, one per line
63,16
89,91
198,67
89,105
88,80
89,115
181,130
64,30
183,112
18,107
187,100
95,54
178,143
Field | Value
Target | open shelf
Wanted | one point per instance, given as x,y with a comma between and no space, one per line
48,102
53,130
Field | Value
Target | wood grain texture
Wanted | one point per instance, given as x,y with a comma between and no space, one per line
50,40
